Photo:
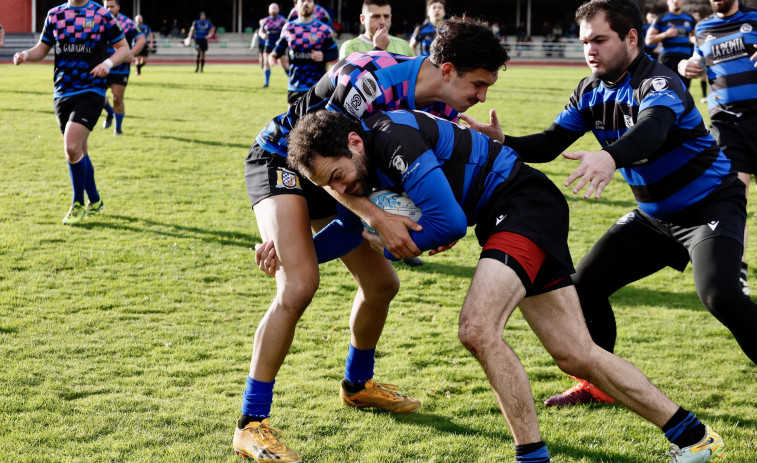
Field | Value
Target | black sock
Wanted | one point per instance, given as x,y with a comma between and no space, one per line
684,429
244,420
351,387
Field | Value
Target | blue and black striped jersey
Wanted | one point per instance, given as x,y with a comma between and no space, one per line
449,171
80,37
357,86
726,44
680,44
424,35
202,28
685,169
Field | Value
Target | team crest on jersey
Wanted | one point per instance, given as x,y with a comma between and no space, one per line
287,179
598,125
398,162
313,37
628,120
687,24
89,23
709,37
659,83
746,28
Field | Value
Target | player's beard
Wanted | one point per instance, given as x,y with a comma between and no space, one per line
618,68
362,181
723,6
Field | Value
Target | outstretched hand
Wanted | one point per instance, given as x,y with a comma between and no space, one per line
596,170
492,130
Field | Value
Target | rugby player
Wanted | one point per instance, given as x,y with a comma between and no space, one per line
81,32
286,206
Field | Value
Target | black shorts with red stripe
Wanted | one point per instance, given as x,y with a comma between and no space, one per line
525,226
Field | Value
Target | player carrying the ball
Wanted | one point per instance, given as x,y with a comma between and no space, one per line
459,178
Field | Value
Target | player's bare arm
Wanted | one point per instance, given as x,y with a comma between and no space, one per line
36,53
123,52
597,169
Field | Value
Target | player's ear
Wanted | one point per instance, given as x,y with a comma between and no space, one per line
355,141
448,70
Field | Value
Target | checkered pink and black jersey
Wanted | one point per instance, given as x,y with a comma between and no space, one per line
272,26
80,36
357,86
303,39
131,32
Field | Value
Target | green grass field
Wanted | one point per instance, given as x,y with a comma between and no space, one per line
128,338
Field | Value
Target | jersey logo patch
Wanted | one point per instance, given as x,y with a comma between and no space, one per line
714,224
398,163
628,120
499,219
287,179
598,125
626,218
89,23
355,104
746,28
659,83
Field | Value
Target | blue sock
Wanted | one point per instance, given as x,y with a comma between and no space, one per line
119,119
78,174
89,186
684,429
257,398
358,368
267,76
532,453
108,108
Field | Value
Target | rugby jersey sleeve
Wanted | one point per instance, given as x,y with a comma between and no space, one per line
113,32
401,155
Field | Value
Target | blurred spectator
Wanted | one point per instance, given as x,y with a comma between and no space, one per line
175,29
165,29
2,36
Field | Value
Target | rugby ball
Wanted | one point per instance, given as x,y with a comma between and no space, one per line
394,203
187,41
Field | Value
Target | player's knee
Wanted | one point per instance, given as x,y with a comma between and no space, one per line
74,153
475,335
383,286
724,302
576,360
295,295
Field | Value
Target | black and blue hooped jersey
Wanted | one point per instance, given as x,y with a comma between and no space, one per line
685,169
424,35
357,86
726,45
302,39
680,44
449,171
131,32
202,28
80,37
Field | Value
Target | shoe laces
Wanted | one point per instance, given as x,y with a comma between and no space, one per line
271,436
387,390
675,454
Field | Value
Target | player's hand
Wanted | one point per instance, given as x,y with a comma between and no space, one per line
19,58
672,32
374,241
101,70
596,170
492,130
265,257
442,248
317,56
381,38
692,69
273,59
393,231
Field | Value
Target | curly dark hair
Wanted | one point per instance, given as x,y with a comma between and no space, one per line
320,133
622,15
469,44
